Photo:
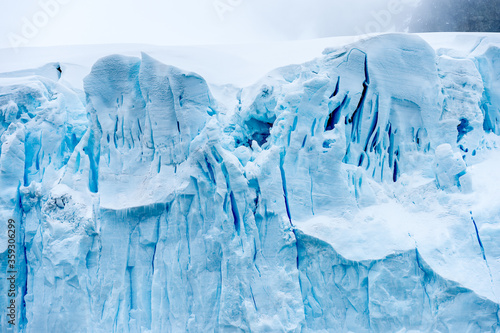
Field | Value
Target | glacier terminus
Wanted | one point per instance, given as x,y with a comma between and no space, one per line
356,192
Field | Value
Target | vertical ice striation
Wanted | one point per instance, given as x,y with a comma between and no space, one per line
488,66
336,197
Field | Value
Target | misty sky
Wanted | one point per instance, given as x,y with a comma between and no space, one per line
190,22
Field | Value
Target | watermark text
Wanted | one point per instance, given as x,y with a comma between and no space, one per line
11,272
222,7
31,26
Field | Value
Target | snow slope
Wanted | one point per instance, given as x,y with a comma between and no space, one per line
357,191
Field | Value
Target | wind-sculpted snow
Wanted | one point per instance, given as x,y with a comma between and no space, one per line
356,192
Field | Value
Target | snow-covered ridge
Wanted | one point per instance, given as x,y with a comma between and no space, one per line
354,192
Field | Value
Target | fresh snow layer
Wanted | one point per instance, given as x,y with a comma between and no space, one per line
240,65
353,188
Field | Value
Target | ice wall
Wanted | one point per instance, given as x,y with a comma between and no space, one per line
350,193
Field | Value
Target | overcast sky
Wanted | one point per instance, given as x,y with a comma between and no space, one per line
190,22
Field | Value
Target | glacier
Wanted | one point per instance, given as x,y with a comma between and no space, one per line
355,192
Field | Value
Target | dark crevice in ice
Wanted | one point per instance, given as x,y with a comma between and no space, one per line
483,252
478,238
373,134
463,128
361,159
254,184
210,170
334,116
115,132
139,127
258,131
234,211
390,149
94,163
216,155
253,298
337,86
356,117
283,182
395,172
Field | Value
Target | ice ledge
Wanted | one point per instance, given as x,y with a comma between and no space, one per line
399,292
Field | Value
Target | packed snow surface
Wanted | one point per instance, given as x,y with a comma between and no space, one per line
355,192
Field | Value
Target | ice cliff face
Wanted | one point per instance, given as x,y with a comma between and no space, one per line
357,192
